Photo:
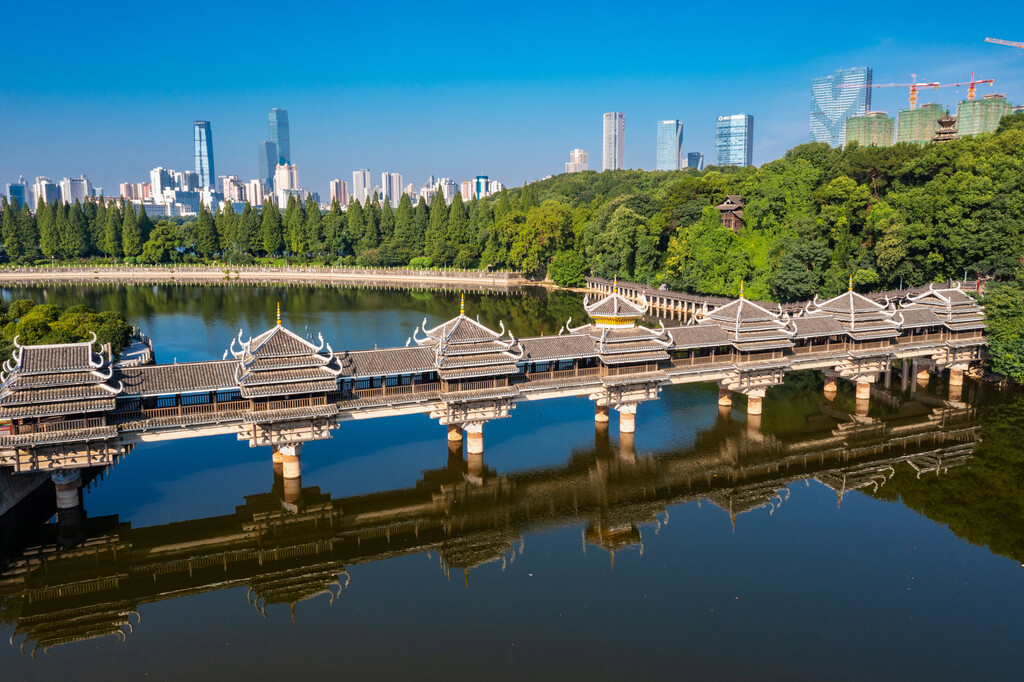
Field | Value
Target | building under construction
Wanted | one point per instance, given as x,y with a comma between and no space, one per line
919,125
981,115
873,130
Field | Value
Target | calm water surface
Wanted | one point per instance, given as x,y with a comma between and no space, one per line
812,545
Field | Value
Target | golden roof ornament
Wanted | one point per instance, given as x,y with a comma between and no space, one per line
462,305
279,313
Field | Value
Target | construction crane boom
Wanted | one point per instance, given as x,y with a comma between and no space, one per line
1008,43
913,87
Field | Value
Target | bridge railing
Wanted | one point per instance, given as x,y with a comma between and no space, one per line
67,425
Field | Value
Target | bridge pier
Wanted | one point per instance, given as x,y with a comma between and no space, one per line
454,432
724,397
830,387
600,414
754,404
956,384
863,390
70,509
905,376
627,418
627,447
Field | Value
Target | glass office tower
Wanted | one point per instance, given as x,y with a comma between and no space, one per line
670,145
734,140
695,160
614,136
279,135
835,98
204,155
267,152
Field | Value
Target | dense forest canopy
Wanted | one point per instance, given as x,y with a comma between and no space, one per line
906,214
35,324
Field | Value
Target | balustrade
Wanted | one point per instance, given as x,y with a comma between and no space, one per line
67,425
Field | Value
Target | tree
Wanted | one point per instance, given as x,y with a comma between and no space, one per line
10,231
436,245
568,269
145,223
111,244
226,222
355,223
420,224
131,234
163,244
314,231
207,241
248,229
270,228
334,231
49,236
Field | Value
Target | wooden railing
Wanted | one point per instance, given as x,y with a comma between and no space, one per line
384,391
67,425
289,404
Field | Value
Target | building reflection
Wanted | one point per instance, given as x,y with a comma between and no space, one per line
86,577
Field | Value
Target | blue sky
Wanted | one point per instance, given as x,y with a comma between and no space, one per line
451,89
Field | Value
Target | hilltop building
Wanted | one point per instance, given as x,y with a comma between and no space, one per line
919,125
732,212
982,115
874,129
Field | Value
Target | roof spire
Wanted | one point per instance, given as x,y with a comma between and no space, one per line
462,305
741,288
851,282
279,313
615,283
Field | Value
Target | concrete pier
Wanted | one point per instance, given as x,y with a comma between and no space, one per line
601,414
68,485
863,390
724,397
830,388
627,418
454,432
754,405
291,465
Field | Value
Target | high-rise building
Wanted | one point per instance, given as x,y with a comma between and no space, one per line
873,130
834,99
233,189
447,188
391,187
75,189
919,125
339,192
18,191
280,136
267,154
734,140
256,192
466,189
286,176
614,141
410,191
481,187
361,185
577,161
204,155
695,160
670,145
981,115
186,181
45,189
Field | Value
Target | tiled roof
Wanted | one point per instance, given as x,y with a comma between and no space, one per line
741,311
914,316
815,325
187,377
264,390
849,303
51,358
698,336
653,356
450,361
478,371
278,341
614,305
461,329
387,361
561,347
58,408
64,393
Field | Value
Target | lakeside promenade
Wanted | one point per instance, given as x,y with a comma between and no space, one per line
221,274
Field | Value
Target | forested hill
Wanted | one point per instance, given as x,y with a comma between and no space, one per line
886,215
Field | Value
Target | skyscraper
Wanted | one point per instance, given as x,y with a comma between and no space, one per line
695,160
670,145
204,155
267,153
339,191
44,189
280,136
577,161
734,140
75,189
391,187
835,98
18,190
361,185
614,141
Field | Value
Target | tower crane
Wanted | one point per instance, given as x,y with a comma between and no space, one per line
1008,43
914,85
973,82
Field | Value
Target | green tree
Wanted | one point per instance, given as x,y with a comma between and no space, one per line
568,269
10,229
163,244
111,244
49,236
131,233
437,248
207,240
248,230
270,228
313,229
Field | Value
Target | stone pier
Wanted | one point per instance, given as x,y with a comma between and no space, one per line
70,510
627,418
454,432
601,414
724,397
863,390
291,473
830,387
754,404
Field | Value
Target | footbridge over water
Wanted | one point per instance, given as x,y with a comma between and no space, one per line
70,408
294,543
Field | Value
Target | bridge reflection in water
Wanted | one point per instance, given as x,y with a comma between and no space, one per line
88,576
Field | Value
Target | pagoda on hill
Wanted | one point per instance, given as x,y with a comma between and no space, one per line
279,362
466,352
615,335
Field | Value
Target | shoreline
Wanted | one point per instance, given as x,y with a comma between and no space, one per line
256,276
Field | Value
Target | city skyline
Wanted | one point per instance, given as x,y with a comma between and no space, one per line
529,108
